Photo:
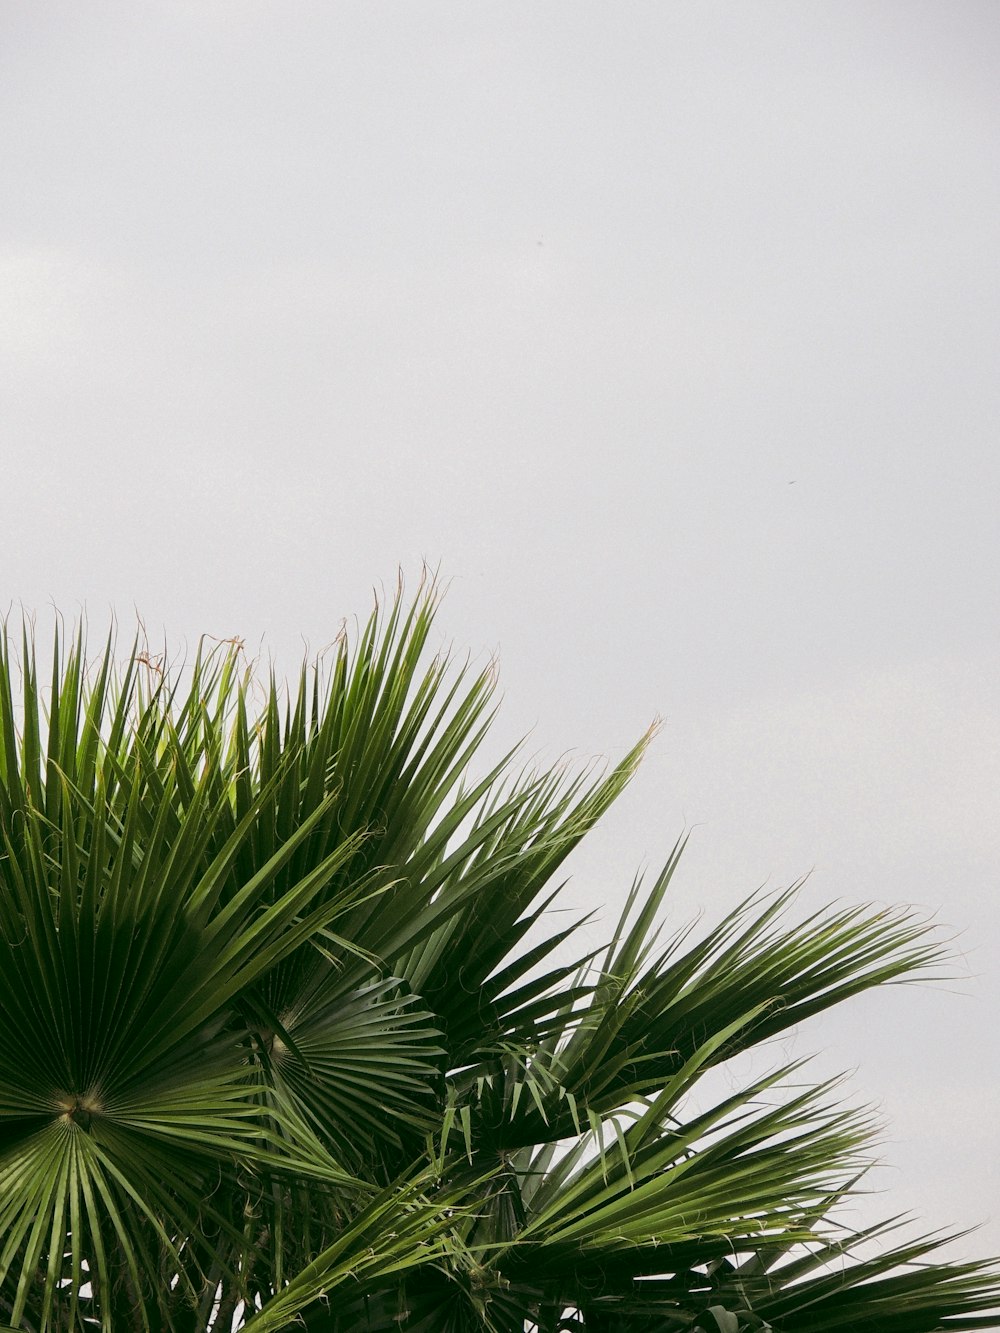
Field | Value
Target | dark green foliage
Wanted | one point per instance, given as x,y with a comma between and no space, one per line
285,1043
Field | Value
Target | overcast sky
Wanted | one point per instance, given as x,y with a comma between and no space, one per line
669,329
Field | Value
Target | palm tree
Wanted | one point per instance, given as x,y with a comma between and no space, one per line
288,1039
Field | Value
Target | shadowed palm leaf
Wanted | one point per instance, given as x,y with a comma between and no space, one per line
287,1043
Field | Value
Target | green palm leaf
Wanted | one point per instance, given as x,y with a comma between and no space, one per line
288,1042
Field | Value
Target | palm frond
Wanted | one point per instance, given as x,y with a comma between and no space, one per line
289,1042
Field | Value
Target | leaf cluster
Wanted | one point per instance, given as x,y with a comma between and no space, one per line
288,1040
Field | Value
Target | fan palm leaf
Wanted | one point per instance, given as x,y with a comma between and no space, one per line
288,1041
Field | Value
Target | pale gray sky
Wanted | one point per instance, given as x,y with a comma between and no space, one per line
669,329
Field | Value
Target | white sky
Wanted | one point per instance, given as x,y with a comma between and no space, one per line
669,329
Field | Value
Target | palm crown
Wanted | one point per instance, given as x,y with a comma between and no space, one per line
287,1041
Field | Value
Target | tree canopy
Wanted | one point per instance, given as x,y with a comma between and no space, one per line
290,1038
